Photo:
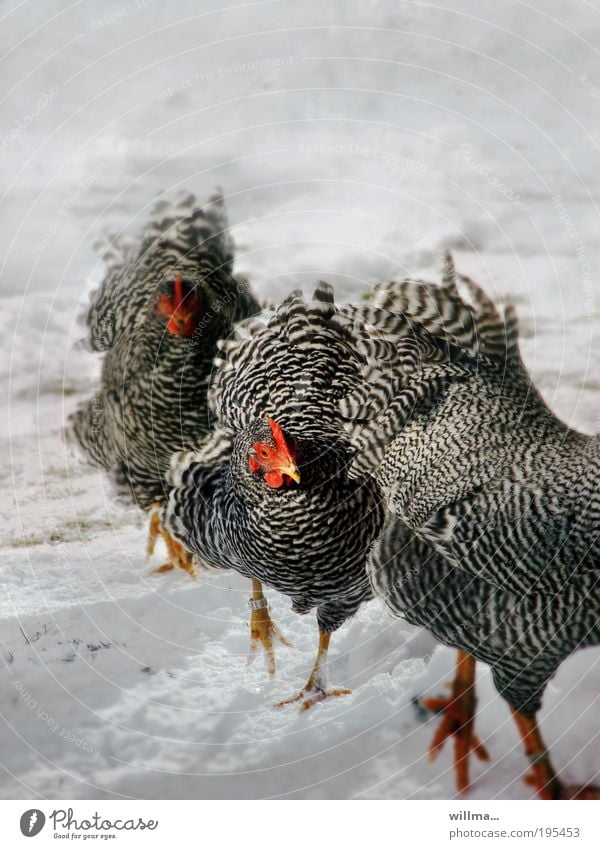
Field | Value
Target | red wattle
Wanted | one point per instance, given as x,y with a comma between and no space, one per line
274,479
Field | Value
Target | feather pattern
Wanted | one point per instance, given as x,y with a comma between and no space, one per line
493,535
310,540
152,400
335,379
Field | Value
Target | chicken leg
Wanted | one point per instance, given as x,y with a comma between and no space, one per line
316,688
263,631
542,775
178,557
458,711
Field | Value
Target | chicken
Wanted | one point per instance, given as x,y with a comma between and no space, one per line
158,314
268,493
491,539
477,327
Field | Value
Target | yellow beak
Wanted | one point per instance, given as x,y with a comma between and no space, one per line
291,471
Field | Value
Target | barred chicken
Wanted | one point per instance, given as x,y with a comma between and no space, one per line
492,538
479,327
268,494
158,314
417,406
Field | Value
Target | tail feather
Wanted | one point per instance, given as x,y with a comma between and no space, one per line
115,249
478,327
181,224
417,339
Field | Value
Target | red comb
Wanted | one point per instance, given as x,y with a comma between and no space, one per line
278,437
179,295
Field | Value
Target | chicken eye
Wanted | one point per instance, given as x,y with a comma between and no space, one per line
264,453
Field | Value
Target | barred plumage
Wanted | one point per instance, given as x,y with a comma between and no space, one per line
475,324
180,235
326,374
158,315
523,636
308,541
493,504
493,540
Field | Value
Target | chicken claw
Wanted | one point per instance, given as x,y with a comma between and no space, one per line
178,557
458,711
315,690
263,631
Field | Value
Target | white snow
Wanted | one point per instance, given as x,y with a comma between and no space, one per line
354,141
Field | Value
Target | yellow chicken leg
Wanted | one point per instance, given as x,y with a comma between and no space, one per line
263,631
316,690
178,557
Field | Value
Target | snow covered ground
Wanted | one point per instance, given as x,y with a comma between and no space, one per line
354,141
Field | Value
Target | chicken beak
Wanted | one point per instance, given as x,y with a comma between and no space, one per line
291,471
